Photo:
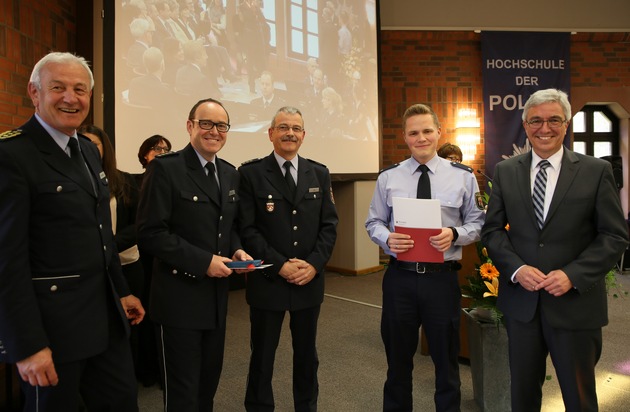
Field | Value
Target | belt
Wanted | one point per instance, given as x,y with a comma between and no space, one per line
425,267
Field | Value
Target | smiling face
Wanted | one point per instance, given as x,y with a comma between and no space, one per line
422,136
63,101
207,142
287,143
545,140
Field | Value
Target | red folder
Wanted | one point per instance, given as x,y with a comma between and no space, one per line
422,251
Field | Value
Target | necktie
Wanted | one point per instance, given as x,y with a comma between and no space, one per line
288,177
77,159
216,192
538,196
424,184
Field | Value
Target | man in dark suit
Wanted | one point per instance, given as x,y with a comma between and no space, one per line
264,107
149,90
554,257
293,227
191,79
186,220
64,302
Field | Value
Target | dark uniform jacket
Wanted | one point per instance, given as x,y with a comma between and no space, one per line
58,261
182,225
275,228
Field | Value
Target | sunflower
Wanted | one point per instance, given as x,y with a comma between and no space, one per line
488,271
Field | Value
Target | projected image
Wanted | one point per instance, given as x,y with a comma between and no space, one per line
254,56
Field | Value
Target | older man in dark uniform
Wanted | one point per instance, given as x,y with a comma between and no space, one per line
62,318
185,219
289,220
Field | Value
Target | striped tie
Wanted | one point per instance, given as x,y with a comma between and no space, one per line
539,192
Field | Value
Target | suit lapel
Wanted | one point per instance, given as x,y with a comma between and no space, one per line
197,173
276,177
56,157
568,171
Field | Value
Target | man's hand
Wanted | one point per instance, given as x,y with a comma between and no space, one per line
557,283
399,242
529,277
217,268
304,274
38,369
443,241
133,309
242,255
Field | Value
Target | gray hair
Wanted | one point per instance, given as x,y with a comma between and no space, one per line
286,110
60,58
548,96
138,27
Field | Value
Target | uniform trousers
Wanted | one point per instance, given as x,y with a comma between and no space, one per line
574,354
433,301
104,382
266,326
192,361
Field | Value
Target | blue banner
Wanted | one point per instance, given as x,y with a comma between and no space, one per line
515,65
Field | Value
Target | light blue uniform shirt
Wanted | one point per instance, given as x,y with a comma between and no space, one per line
454,187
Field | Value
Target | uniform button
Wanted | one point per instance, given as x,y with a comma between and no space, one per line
100,226
59,188
195,198
53,288
220,218
541,245
295,212
269,197
219,253
174,272
219,235
105,248
294,227
295,243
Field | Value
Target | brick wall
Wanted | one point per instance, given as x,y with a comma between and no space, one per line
443,69
28,30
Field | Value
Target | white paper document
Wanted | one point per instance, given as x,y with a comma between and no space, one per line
417,213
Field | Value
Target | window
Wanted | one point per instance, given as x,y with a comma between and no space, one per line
304,28
595,131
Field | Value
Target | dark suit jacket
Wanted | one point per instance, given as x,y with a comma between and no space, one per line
148,90
58,261
182,225
584,235
275,228
190,81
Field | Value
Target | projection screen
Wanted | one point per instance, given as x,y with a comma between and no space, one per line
319,56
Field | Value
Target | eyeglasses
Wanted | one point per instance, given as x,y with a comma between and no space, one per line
553,123
285,128
160,149
209,124
454,159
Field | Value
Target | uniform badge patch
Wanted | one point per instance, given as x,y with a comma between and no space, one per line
480,201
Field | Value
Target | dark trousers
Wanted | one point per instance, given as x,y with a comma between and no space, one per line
574,354
105,382
192,361
433,301
266,326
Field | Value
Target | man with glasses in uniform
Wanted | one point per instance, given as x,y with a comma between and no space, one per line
288,219
186,215
567,230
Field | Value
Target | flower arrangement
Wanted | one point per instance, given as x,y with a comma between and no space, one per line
483,287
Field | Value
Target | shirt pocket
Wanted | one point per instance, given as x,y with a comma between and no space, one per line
193,197
450,199
56,284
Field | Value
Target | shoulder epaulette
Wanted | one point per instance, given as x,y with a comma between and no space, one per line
169,154
388,167
251,161
462,166
317,163
227,163
9,134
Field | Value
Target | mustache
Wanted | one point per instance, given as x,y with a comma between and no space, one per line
289,139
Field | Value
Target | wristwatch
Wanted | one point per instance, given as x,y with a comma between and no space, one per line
455,234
